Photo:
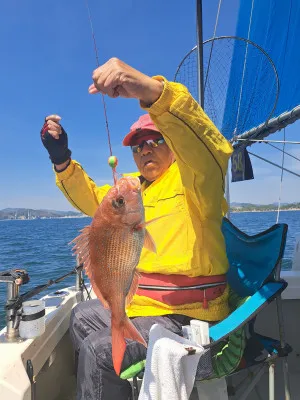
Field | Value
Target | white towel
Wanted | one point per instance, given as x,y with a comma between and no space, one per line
170,371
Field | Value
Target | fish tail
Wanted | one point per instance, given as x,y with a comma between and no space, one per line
119,333
130,332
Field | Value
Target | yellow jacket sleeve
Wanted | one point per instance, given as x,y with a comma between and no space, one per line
201,151
79,189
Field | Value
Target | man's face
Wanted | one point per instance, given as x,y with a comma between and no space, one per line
152,162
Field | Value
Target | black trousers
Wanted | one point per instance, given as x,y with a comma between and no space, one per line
91,336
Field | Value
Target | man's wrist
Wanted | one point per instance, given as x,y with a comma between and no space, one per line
153,94
62,167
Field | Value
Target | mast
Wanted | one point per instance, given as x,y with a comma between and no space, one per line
200,53
201,84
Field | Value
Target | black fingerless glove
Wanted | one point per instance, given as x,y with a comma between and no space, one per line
57,148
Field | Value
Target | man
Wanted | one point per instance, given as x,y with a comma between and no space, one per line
182,160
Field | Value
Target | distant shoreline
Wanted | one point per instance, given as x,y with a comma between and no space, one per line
257,211
35,219
234,211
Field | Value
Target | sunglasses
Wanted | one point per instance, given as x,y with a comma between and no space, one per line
151,142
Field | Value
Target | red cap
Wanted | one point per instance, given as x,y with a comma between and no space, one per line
144,123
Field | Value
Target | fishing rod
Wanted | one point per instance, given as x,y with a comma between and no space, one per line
10,276
15,278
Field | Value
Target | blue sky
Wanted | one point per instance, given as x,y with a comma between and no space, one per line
47,59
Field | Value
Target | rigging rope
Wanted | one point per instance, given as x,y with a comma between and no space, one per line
112,160
267,141
244,69
275,165
281,178
212,43
285,152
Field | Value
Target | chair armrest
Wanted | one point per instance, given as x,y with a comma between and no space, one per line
247,311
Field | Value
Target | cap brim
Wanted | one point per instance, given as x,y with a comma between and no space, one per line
128,138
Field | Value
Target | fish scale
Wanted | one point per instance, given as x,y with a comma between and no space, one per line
116,254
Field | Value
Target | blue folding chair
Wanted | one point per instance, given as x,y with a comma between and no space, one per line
254,276
254,280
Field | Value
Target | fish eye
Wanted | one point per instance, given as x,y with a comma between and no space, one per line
119,202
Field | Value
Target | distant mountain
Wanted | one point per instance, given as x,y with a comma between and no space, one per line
28,213
234,204
263,207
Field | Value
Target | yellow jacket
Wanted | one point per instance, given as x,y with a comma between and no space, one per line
189,241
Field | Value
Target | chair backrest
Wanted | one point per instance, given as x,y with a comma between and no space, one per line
252,259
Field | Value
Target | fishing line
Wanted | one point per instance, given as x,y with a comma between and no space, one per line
112,160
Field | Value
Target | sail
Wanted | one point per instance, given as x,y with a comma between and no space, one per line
274,26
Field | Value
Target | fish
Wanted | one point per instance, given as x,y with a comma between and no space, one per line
110,249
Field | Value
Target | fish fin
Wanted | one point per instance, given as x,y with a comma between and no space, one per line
118,334
100,297
133,288
144,224
81,249
118,347
149,242
130,332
